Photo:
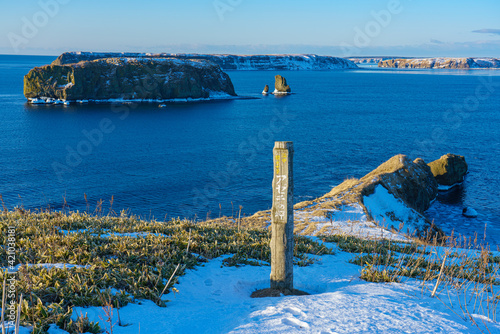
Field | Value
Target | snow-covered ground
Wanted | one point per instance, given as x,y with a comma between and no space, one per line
216,299
349,220
391,212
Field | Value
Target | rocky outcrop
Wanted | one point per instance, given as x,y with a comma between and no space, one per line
449,170
280,86
412,182
451,63
227,62
128,79
395,195
266,90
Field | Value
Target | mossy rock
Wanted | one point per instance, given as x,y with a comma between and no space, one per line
450,169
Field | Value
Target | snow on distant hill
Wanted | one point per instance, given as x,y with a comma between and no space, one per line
227,61
452,63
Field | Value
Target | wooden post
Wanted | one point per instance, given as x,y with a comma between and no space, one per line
282,217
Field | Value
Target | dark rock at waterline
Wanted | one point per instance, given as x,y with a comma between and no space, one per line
450,169
128,79
280,85
469,212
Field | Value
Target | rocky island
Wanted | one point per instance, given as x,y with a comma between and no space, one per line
451,63
128,79
227,61
280,86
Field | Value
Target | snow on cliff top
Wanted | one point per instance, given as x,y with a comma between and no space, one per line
228,61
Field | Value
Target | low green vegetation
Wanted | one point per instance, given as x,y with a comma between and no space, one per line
118,259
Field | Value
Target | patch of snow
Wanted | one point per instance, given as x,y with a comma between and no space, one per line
392,212
54,329
219,95
114,234
66,232
442,187
349,220
238,62
47,266
68,85
130,234
9,328
214,95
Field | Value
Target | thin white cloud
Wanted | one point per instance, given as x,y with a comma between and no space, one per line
488,31
435,41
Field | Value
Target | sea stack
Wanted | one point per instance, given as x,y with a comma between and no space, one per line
266,90
449,170
280,86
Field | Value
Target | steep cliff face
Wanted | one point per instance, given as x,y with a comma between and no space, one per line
452,63
369,60
128,79
228,62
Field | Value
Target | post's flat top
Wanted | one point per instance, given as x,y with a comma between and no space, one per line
283,145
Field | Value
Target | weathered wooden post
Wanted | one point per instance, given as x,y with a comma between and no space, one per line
282,218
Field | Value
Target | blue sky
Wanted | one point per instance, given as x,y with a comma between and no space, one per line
329,27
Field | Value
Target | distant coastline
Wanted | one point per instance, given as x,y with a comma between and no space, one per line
226,61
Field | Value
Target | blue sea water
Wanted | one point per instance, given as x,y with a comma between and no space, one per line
207,159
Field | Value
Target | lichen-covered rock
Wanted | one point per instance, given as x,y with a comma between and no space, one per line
449,170
128,79
280,85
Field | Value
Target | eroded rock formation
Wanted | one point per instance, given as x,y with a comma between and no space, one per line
280,85
450,169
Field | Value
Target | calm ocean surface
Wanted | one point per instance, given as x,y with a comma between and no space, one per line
199,159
